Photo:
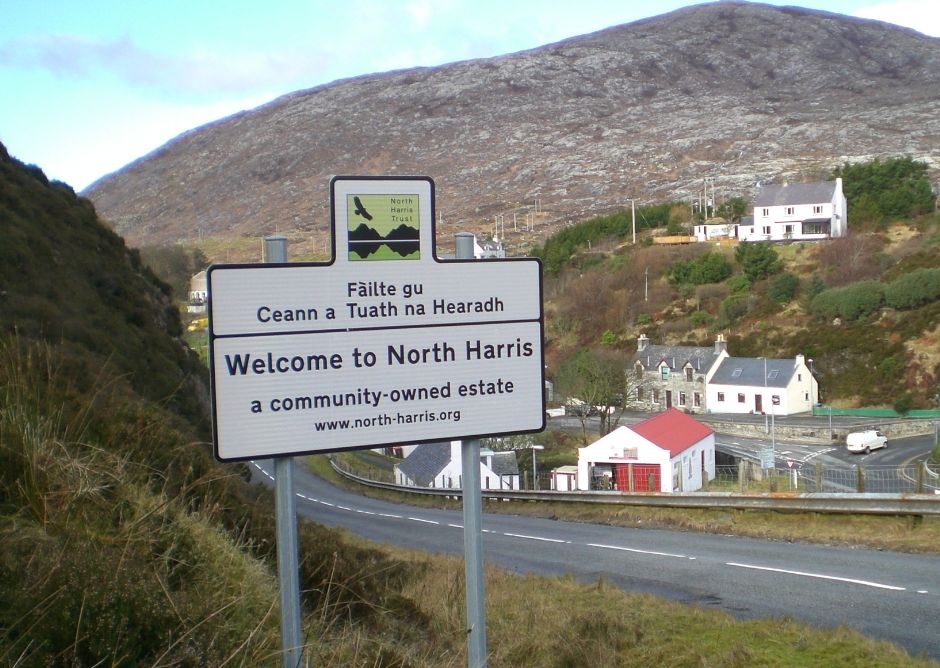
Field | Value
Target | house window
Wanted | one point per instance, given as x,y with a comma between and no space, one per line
766,229
772,374
789,210
664,371
655,394
817,208
740,397
721,396
799,377
682,398
697,399
788,230
639,394
775,400
806,396
765,212
688,374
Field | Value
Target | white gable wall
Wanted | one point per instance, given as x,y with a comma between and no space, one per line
624,446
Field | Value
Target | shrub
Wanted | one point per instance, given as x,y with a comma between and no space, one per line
913,289
739,283
852,302
706,268
757,260
784,288
732,309
904,403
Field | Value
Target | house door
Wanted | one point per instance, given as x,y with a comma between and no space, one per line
758,403
668,399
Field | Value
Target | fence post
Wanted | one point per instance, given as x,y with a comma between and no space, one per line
772,474
819,478
742,471
919,486
859,478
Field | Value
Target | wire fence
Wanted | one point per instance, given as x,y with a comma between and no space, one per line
748,477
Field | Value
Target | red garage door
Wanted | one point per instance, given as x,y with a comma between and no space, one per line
643,476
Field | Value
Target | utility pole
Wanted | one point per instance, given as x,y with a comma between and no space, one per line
633,216
646,286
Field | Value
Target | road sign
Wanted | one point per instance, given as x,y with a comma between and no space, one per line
385,344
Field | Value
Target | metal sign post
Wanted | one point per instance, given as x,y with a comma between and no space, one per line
275,251
472,524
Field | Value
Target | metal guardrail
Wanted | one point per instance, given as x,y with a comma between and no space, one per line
867,504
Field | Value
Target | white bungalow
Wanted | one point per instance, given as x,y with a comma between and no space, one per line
757,385
669,452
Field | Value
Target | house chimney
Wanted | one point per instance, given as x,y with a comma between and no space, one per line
720,344
800,360
641,343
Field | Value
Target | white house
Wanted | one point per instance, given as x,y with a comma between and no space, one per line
669,452
441,465
758,385
797,211
488,248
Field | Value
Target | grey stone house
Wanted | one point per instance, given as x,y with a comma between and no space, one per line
665,377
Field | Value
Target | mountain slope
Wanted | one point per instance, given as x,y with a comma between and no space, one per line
733,91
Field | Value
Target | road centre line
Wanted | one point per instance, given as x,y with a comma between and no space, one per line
547,540
631,549
418,519
820,576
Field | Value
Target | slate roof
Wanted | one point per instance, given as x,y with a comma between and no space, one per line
795,193
701,357
505,463
749,372
425,462
672,430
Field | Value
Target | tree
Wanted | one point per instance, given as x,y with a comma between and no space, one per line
733,209
757,260
597,377
893,188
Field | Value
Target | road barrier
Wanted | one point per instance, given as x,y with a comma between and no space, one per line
852,503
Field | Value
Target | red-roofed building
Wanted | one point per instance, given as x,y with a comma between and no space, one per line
669,452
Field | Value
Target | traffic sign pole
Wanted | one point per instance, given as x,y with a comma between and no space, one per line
275,251
472,525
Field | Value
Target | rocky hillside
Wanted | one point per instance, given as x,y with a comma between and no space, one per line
733,91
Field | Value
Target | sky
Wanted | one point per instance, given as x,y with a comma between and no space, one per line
88,87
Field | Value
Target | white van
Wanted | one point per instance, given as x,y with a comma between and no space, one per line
865,441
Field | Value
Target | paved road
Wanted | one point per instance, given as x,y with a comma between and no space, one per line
885,595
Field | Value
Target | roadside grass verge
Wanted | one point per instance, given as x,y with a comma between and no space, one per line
559,622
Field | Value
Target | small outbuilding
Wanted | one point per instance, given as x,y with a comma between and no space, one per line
669,452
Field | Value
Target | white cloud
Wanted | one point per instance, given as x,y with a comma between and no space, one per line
198,73
920,15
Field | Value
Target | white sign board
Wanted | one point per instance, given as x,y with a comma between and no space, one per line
384,345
